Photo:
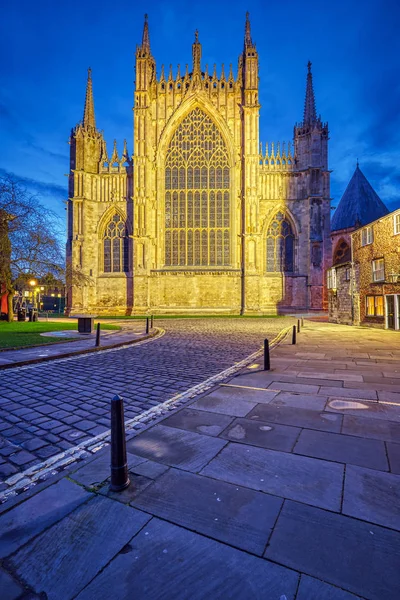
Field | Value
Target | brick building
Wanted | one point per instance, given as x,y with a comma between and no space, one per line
365,290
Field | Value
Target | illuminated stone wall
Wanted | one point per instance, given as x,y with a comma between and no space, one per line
214,223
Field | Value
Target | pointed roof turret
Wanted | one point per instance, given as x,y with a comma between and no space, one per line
146,37
196,53
310,112
359,205
89,121
247,32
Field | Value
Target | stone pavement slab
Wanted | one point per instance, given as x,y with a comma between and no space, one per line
300,417
184,449
228,401
310,401
354,555
80,545
96,471
235,515
199,421
313,589
394,456
372,496
388,431
372,410
300,478
30,518
165,561
362,394
10,589
263,434
343,448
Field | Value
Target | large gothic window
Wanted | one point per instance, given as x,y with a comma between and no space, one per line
115,246
197,195
280,245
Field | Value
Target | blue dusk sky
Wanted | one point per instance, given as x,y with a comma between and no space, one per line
354,45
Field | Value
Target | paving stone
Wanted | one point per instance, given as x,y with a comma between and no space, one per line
237,516
279,473
199,421
385,396
167,561
6,470
372,496
356,556
349,393
65,558
297,417
10,589
34,444
263,434
371,410
137,484
371,428
227,401
149,469
343,448
29,518
313,589
294,387
310,401
22,458
394,457
175,447
47,451
98,470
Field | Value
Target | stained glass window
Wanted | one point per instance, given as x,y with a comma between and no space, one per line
116,246
197,229
280,245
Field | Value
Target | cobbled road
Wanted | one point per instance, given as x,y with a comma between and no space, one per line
49,407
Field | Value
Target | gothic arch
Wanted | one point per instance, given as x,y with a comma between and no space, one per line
113,242
342,252
197,193
280,237
107,215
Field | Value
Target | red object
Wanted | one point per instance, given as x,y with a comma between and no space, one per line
4,301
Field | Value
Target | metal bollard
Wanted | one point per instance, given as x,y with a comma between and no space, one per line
147,324
294,335
267,363
98,335
298,325
151,322
302,322
119,465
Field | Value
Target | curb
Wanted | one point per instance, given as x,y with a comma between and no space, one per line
33,361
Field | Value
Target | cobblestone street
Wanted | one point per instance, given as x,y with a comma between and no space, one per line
50,407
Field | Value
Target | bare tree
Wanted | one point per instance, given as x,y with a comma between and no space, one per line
29,237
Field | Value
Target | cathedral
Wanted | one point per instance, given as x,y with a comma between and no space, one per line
201,219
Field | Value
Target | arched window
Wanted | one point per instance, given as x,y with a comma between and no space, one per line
342,253
280,245
115,246
198,233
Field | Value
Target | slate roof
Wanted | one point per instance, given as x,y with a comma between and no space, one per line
359,205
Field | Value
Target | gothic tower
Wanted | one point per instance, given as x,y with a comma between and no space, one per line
202,220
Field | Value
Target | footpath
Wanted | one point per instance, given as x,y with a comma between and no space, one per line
274,485
130,333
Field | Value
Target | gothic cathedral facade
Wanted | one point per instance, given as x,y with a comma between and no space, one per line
200,219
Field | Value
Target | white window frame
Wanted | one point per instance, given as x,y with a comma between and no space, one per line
396,224
367,236
378,272
331,279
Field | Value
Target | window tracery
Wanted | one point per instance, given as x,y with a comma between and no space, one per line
115,246
197,195
280,245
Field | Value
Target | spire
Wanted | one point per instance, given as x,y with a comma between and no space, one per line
310,113
247,33
196,53
146,37
89,121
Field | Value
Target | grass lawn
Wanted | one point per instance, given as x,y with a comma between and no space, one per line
23,334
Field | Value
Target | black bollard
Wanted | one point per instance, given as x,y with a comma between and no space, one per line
151,322
302,322
119,465
267,363
298,325
98,335
147,324
294,335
